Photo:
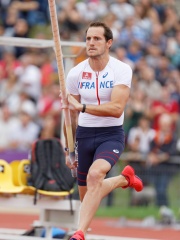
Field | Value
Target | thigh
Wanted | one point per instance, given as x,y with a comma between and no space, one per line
110,151
97,143
86,150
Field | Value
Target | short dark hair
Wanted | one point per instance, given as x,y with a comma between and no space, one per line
107,31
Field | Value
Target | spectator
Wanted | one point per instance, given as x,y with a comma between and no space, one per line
173,84
2,30
153,55
165,104
139,137
16,100
8,63
121,54
149,84
56,107
136,107
26,131
138,147
11,17
4,5
69,17
21,29
33,11
162,69
123,7
7,123
9,89
49,104
160,170
159,6
111,21
29,77
173,50
150,153
177,133
146,17
170,24
131,32
92,9
47,71
44,103
134,52
48,129
157,39
139,66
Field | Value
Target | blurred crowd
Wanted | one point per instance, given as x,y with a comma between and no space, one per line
146,36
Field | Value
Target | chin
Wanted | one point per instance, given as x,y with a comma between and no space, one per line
92,55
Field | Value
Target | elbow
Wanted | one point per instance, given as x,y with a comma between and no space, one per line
117,113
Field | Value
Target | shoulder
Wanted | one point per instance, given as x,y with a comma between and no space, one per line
122,72
119,65
74,75
75,71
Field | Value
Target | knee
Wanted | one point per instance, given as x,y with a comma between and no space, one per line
94,178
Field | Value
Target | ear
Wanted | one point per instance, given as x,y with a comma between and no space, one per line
109,43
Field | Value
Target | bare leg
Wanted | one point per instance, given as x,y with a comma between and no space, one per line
97,188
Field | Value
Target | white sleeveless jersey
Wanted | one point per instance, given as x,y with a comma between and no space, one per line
95,88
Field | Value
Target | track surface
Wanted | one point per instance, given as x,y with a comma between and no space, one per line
99,226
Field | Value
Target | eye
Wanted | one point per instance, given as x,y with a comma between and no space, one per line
88,39
96,38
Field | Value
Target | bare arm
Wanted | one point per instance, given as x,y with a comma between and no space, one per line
25,6
74,117
114,108
157,158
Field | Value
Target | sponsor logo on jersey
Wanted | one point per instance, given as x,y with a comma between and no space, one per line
105,75
116,150
86,75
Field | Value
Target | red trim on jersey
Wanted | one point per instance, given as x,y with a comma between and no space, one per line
97,88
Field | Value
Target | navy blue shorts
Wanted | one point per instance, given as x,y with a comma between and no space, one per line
94,143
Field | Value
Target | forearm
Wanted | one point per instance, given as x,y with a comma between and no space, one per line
163,157
105,110
25,6
113,108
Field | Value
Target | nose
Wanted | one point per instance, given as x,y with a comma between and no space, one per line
91,42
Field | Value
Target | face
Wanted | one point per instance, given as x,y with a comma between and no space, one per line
96,45
25,118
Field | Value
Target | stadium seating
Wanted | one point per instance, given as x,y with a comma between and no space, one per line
6,179
21,173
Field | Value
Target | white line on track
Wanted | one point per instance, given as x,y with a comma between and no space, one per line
99,237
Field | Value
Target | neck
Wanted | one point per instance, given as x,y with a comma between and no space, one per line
98,64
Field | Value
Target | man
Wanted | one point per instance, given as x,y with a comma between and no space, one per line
159,168
98,89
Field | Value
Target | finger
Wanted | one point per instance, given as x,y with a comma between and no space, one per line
70,97
69,165
64,106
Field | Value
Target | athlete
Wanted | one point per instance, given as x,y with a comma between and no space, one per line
98,89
